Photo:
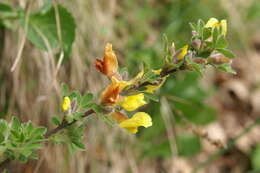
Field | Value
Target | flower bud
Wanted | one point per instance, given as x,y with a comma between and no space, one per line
218,59
196,43
200,60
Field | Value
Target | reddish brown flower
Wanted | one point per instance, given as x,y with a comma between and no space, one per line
108,65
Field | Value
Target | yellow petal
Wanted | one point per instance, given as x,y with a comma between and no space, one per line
122,84
151,88
138,119
223,24
212,22
183,52
66,104
131,103
157,71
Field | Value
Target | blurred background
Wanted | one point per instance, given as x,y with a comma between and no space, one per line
223,105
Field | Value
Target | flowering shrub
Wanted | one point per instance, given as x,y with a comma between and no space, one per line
121,98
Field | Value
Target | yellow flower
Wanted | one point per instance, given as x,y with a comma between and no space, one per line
131,103
138,119
223,24
122,84
151,88
66,104
183,51
157,71
213,22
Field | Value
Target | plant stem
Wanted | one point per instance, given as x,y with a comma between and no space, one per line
65,124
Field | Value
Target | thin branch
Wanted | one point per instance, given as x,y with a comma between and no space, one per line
65,124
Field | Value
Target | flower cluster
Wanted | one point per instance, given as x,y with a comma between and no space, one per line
122,96
112,95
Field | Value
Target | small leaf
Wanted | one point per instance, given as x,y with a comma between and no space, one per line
39,131
152,97
226,53
15,123
206,33
23,158
79,145
226,68
215,35
86,98
75,95
188,145
56,121
97,109
221,42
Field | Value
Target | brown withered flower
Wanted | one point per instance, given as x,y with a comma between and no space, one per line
108,65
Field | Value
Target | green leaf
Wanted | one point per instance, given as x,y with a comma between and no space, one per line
79,144
97,109
226,53
42,29
15,123
75,95
188,144
86,98
197,68
215,35
255,157
152,97
226,68
23,158
221,42
2,138
56,121
39,131
162,149
206,33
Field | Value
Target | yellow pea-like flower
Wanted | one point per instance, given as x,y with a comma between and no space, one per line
66,104
122,84
223,25
131,103
183,52
151,88
138,119
158,71
212,22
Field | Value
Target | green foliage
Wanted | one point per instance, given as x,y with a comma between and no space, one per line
188,144
255,158
20,140
75,134
188,97
43,30
72,136
254,10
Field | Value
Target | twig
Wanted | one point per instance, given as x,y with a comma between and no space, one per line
65,124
